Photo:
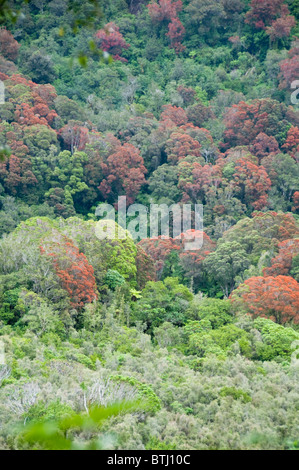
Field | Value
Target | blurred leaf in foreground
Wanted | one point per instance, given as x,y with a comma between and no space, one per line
59,434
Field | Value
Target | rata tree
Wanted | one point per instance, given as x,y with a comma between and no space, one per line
172,256
291,144
200,182
245,121
30,103
123,173
289,68
281,28
17,176
74,136
173,116
272,16
145,268
283,262
176,33
110,40
33,116
252,184
74,271
181,145
198,114
276,298
118,253
276,225
164,9
51,262
27,267
262,13
9,47
159,249
263,145
97,150
208,150
295,201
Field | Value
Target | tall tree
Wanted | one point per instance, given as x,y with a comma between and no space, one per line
276,298
109,39
124,173
226,263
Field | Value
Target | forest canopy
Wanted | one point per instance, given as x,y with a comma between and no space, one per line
142,344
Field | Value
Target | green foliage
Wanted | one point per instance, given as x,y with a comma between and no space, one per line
113,279
146,397
236,394
156,444
216,311
53,435
12,306
226,263
202,116
56,410
276,342
219,341
162,301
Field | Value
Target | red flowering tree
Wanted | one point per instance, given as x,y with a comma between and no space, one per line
198,114
282,263
180,146
167,10
74,136
295,207
145,268
252,183
190,261
281,28
30,104
176,33
276,298
17,176
74,271
263,12
275,225
158,249
292,142
33,115
164,9
124,173
9,47
110,40
245,121
263,145
289,68
173,115
203,181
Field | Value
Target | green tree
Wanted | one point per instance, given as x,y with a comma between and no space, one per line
162,302
226,263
